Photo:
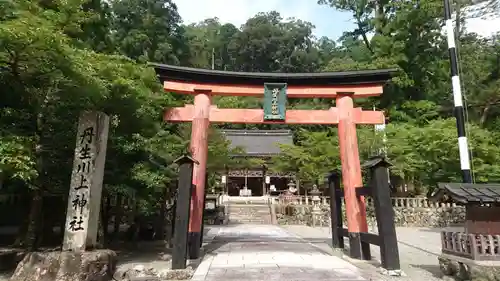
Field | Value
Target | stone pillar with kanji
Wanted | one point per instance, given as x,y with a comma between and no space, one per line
84,201
79,260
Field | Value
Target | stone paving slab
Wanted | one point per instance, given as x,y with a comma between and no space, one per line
419,248
266,252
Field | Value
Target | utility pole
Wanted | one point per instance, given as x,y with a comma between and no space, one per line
463,146
382,149
380,129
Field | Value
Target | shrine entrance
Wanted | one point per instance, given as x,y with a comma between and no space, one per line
254,184
275,89
259,179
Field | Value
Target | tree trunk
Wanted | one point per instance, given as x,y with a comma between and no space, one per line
484,115
23,229
363,34
118,212
33,233
34,221
162,220
457,21
104,221
380,16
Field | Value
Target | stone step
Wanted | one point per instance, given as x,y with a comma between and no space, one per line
248,215
248,218
248,203
251,221
250,211
248,208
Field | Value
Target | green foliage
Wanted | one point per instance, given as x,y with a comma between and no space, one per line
148,31
15,159
58,58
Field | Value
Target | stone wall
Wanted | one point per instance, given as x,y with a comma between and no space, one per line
416,212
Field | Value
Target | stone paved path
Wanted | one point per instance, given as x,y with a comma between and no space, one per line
419,248
266,252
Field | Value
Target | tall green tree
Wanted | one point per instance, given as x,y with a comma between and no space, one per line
149,31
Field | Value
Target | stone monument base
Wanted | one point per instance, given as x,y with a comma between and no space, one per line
97,265
465,269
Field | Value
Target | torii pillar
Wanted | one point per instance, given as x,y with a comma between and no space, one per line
199,151
351,175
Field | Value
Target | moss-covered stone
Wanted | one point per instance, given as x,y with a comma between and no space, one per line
464,271
97,265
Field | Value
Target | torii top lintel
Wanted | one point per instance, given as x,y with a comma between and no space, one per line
186,80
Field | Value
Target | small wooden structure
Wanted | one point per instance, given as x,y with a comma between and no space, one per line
211,214
480,240
181,240
359,243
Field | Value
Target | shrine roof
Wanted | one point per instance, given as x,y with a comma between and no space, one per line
466,193
187,74
258,142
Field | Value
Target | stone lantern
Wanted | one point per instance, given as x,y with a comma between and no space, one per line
217,183
291,187
316,210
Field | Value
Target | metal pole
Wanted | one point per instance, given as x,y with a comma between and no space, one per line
380,128
457,97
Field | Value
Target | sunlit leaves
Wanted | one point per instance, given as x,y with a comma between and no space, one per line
16,160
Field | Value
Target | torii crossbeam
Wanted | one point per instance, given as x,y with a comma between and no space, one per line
256,116
275,88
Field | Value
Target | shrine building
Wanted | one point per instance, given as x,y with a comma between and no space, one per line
257,144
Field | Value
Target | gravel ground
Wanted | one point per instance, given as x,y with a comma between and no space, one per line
418,250
149,255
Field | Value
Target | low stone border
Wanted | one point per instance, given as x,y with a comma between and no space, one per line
403,216
461,269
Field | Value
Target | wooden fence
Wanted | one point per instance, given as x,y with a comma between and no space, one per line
471,246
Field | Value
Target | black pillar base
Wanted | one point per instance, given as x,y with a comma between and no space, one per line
358,249
194,245
201,236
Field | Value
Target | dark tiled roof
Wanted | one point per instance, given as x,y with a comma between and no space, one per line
468,193
258,142
188,74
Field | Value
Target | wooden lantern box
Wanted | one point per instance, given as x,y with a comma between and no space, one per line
480,239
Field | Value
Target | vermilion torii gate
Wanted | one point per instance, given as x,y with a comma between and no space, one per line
344,87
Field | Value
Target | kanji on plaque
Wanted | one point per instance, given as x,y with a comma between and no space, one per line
84,198
275,101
